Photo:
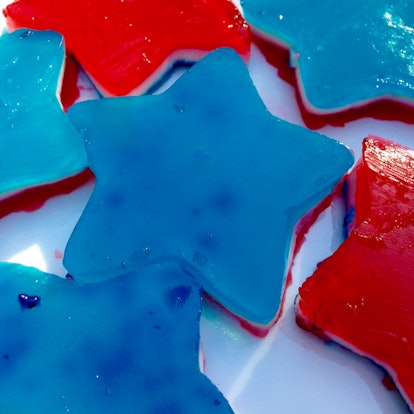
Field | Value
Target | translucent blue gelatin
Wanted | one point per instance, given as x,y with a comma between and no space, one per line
346,52
205,176
38,144
125,345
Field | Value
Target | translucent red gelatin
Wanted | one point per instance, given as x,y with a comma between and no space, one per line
362,296
34,198
70,91
126,45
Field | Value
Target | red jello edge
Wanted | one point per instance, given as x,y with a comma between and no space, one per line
126,46
382,109
34,198
362,296
301,230
69,92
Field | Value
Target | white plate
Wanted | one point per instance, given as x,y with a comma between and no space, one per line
290,371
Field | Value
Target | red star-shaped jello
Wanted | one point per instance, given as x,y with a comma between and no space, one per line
127,45
362,296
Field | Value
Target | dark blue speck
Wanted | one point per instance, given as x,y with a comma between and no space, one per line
348,220
28,302
206,242
26,34
224,201
177,296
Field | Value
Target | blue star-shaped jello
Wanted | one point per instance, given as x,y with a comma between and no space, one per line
348,52
204,176
38,144
125,345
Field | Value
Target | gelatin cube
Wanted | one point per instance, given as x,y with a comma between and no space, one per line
187,176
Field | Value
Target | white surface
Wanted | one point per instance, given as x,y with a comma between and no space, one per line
290,371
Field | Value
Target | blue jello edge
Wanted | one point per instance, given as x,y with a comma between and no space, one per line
347,53
38,144
204,176
125,345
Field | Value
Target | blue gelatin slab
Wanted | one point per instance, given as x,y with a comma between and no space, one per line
125,345
346,52
202,175
38,144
